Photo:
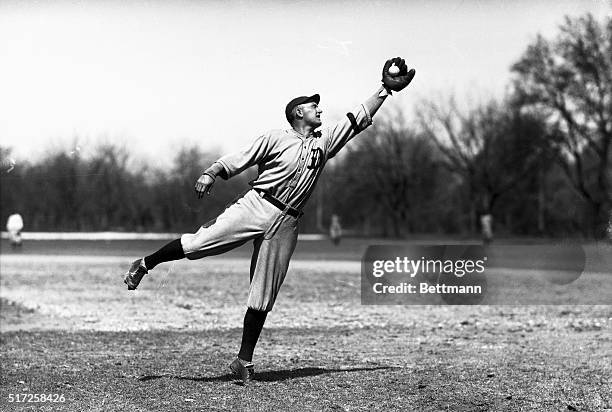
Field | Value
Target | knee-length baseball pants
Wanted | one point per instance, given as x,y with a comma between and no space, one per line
274,235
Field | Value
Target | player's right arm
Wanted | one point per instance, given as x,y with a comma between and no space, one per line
232,164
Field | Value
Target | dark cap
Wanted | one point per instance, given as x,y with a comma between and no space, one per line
300,100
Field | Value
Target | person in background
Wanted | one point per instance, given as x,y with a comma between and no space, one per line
486,225
335,230
14,225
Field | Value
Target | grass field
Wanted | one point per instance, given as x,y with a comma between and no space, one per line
68,326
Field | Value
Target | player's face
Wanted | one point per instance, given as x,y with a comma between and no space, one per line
312,114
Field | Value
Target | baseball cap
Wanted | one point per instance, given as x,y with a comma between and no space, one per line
300,100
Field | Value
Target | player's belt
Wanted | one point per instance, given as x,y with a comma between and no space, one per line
282,206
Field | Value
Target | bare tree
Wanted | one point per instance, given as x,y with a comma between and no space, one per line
492,148
389,175
569,79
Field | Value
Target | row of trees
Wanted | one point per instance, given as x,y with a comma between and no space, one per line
538,161
494,159
67,192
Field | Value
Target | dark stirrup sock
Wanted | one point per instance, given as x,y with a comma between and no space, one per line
172,251
253,324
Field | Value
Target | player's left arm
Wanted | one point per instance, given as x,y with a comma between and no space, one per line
234,163
360,118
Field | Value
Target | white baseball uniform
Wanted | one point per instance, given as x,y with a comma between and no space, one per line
289,165
14,225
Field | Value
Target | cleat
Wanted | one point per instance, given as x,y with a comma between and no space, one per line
135,274
243,369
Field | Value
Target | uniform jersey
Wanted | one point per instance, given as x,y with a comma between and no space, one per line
14,223
289,166
289,163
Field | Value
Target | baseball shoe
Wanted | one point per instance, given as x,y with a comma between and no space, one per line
243,369
135,274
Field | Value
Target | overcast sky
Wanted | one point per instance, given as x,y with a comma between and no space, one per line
154,75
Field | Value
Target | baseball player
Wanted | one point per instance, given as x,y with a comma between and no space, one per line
14,225
609,228
486,226
289,164
335,230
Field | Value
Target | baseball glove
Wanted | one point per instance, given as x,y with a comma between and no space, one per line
400,80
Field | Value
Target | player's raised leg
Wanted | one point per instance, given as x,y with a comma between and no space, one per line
140,267
244,220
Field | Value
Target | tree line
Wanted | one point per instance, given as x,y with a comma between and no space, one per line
538,160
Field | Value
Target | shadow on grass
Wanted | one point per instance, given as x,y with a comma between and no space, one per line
270,376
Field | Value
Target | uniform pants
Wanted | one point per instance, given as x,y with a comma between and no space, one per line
14,237
274,235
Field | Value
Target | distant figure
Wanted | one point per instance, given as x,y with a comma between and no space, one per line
14,225
335,230
486,225
609,228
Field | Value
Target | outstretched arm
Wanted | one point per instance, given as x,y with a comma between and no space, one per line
395,77
376,100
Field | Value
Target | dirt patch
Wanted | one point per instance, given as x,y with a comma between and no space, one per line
313,369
